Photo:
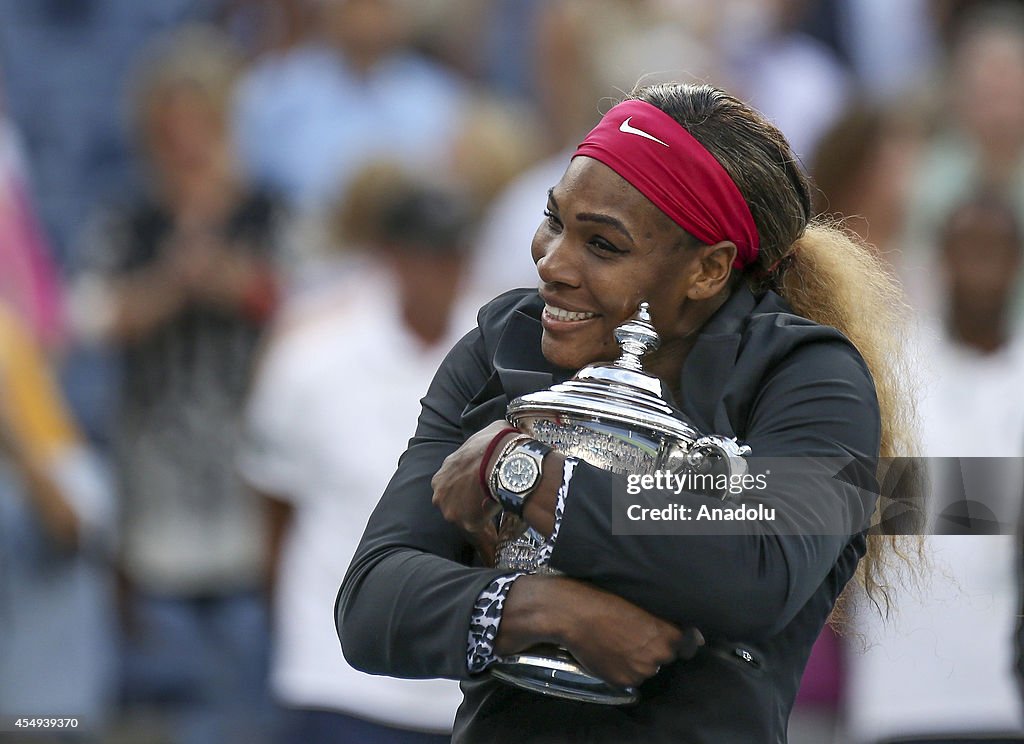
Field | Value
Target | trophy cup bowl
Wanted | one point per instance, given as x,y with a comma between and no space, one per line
616,417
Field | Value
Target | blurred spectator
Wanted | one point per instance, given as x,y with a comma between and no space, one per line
892,45
591,52
862,169
323,447
979,138
181,284
64,66
308,118
496,141
948,16
28,279
507,52
265,26
449,31
794,79
945,663
64,63
981,261
562,74
56,530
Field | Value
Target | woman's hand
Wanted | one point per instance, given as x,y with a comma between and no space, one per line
458,495
610,636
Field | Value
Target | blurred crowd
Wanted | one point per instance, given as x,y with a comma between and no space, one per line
238,236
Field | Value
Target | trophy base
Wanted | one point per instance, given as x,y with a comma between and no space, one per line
557,674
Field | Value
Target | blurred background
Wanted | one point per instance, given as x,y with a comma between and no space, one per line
238,236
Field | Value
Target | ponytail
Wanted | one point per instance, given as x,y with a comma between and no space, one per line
834,279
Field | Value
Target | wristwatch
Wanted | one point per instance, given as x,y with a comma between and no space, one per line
517,473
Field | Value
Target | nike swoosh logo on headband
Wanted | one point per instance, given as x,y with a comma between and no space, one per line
625,127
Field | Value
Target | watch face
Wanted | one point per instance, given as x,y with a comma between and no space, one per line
518,473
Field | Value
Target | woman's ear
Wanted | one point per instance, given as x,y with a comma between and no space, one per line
714,269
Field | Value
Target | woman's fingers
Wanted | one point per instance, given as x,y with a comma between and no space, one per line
456,484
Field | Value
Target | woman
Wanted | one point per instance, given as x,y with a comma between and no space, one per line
686,198
180,283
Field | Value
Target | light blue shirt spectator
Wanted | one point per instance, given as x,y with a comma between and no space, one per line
307,120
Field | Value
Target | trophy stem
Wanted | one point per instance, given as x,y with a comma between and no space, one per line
546,669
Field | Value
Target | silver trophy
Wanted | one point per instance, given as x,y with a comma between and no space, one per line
617,417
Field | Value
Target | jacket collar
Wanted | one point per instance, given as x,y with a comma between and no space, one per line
518,360
708,366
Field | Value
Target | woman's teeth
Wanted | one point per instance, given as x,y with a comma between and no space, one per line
559,314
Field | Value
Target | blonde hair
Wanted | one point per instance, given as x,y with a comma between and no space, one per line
835,279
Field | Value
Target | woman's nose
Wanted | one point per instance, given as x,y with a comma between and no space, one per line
556,263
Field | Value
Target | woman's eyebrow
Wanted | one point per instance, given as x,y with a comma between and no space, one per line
603,219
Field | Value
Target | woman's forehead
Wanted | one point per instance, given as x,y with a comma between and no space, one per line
588,177
591,186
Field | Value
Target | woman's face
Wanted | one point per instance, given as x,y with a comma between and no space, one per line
601,250
184,132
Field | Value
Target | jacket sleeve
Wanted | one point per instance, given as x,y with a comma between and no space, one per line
405,604
818,406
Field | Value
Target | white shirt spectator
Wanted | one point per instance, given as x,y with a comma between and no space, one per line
333,407
944,662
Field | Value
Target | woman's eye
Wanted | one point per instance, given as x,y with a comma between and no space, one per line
553,221
605,247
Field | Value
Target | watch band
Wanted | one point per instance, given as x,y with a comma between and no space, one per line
535,447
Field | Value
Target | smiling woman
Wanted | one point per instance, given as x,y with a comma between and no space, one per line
604,248
775,330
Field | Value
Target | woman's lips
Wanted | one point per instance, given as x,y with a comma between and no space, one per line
559,319
559,313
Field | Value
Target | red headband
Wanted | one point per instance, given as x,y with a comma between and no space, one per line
663,161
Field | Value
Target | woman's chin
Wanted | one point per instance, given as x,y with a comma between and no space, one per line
561,354
573,356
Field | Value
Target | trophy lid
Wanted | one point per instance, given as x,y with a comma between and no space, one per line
615,392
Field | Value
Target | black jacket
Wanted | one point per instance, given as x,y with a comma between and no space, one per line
779,382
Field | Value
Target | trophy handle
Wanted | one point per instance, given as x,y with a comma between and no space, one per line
716,448
711,453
